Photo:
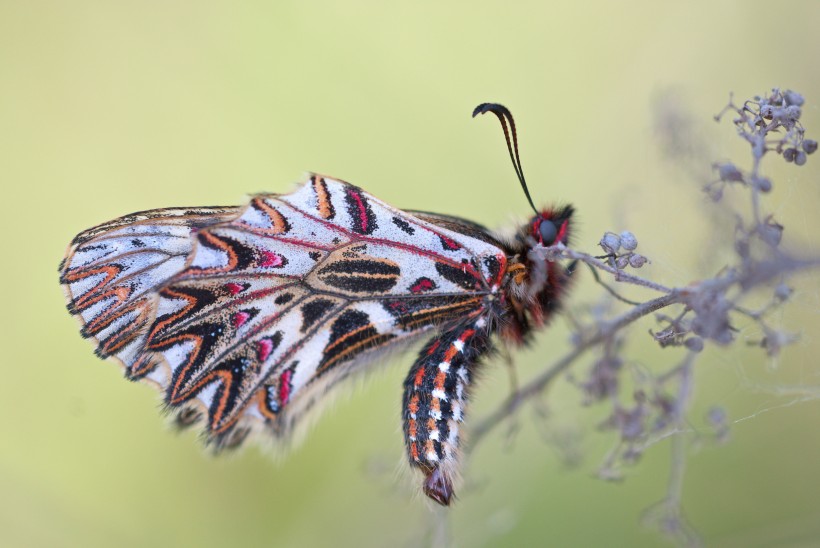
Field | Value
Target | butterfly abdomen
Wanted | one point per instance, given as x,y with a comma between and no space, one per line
435,402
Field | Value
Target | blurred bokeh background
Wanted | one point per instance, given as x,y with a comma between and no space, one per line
112,107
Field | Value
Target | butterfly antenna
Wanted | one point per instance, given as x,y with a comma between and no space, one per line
505,117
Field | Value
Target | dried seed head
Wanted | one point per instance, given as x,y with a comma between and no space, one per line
793,112
711,319
602,381
793,98
800,158
789,154
628,241
610,243
742,247
771,232
763,184
695,344
631,422
621,262
716,416
729,172
636,260
632,454
775,340
782,292
810,146
715,192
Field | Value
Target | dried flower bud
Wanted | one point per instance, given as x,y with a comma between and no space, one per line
782,116
775,340
800,158
766,111
742,248
718,419
668,408
729,172
632,422
782,292
628,240
695,344
771,232
793,98
716,416
715,192
602,382
793,112
712,317
810,146
789,154
621,262
762,184
632,454
636,260
610,242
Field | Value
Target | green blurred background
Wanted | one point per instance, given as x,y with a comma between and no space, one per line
112,107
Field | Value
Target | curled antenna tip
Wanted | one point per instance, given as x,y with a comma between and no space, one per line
508,126
484,108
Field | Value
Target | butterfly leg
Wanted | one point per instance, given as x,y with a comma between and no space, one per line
510,364
435,397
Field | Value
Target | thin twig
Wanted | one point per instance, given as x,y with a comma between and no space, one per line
539,383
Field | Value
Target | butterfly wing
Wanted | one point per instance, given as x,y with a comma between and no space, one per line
287,298
111,273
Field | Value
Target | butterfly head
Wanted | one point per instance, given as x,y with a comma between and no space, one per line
551,226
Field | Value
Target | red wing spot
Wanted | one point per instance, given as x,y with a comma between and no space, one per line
362,210
270,259
433,348
421,285
240,318
448,243
284,387
234,288
264,349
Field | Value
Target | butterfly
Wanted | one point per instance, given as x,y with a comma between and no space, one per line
244,317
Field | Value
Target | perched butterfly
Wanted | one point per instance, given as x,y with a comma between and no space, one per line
245,316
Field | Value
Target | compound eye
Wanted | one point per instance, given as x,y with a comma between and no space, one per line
548,232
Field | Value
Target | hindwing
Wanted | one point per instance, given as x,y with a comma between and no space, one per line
245,316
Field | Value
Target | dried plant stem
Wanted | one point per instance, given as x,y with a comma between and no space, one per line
667,515
620,275
537,385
